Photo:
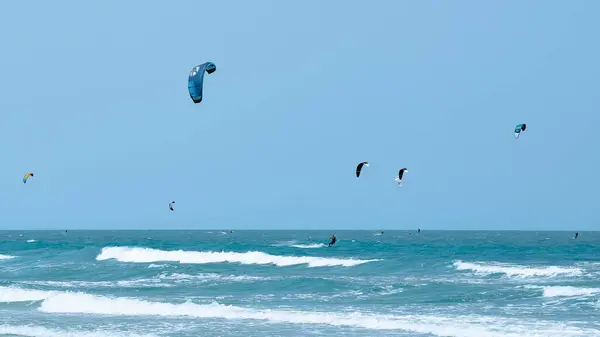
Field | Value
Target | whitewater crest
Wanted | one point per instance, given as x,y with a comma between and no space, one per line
513,270
148,255
13,294
447,325
6,257
565,291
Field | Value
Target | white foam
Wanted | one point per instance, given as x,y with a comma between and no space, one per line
295,244
309,246
212,277
446,326
162,280
390,290
355,294
10,294
37,331
566,291
6,257
285,243
135,283
135,254
152,265
31,240
488,268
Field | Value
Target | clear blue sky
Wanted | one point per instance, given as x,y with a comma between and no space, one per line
94,101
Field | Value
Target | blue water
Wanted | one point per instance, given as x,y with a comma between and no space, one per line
289,283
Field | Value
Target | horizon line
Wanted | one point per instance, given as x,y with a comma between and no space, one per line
295,229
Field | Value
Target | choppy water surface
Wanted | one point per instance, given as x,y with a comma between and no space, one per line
289,283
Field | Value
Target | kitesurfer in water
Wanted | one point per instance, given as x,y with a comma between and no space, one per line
576,235
333,240
418,230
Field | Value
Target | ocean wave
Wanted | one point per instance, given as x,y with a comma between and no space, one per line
360,295
141,255
212,277
565,291
38,331
31,240
161,280
512,270
377,285
11,294
137,283
447,326
6,257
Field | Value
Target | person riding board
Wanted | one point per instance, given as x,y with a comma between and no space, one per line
333,240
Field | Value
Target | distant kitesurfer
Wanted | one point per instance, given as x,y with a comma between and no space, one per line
576,235
333,240
419,230
381,231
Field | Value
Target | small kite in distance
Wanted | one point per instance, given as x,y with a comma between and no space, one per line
400,175
360,166
30,174
519,128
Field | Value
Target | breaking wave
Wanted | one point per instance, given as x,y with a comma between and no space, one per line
147,255
446,326
566,291
11,294
512,270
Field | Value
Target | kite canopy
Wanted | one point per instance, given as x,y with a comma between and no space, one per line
400,175
171,205
360,166
519,128
27,177
196,80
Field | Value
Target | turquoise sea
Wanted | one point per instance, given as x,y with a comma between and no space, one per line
289,283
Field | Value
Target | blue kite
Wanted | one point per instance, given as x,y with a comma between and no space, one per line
196,80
